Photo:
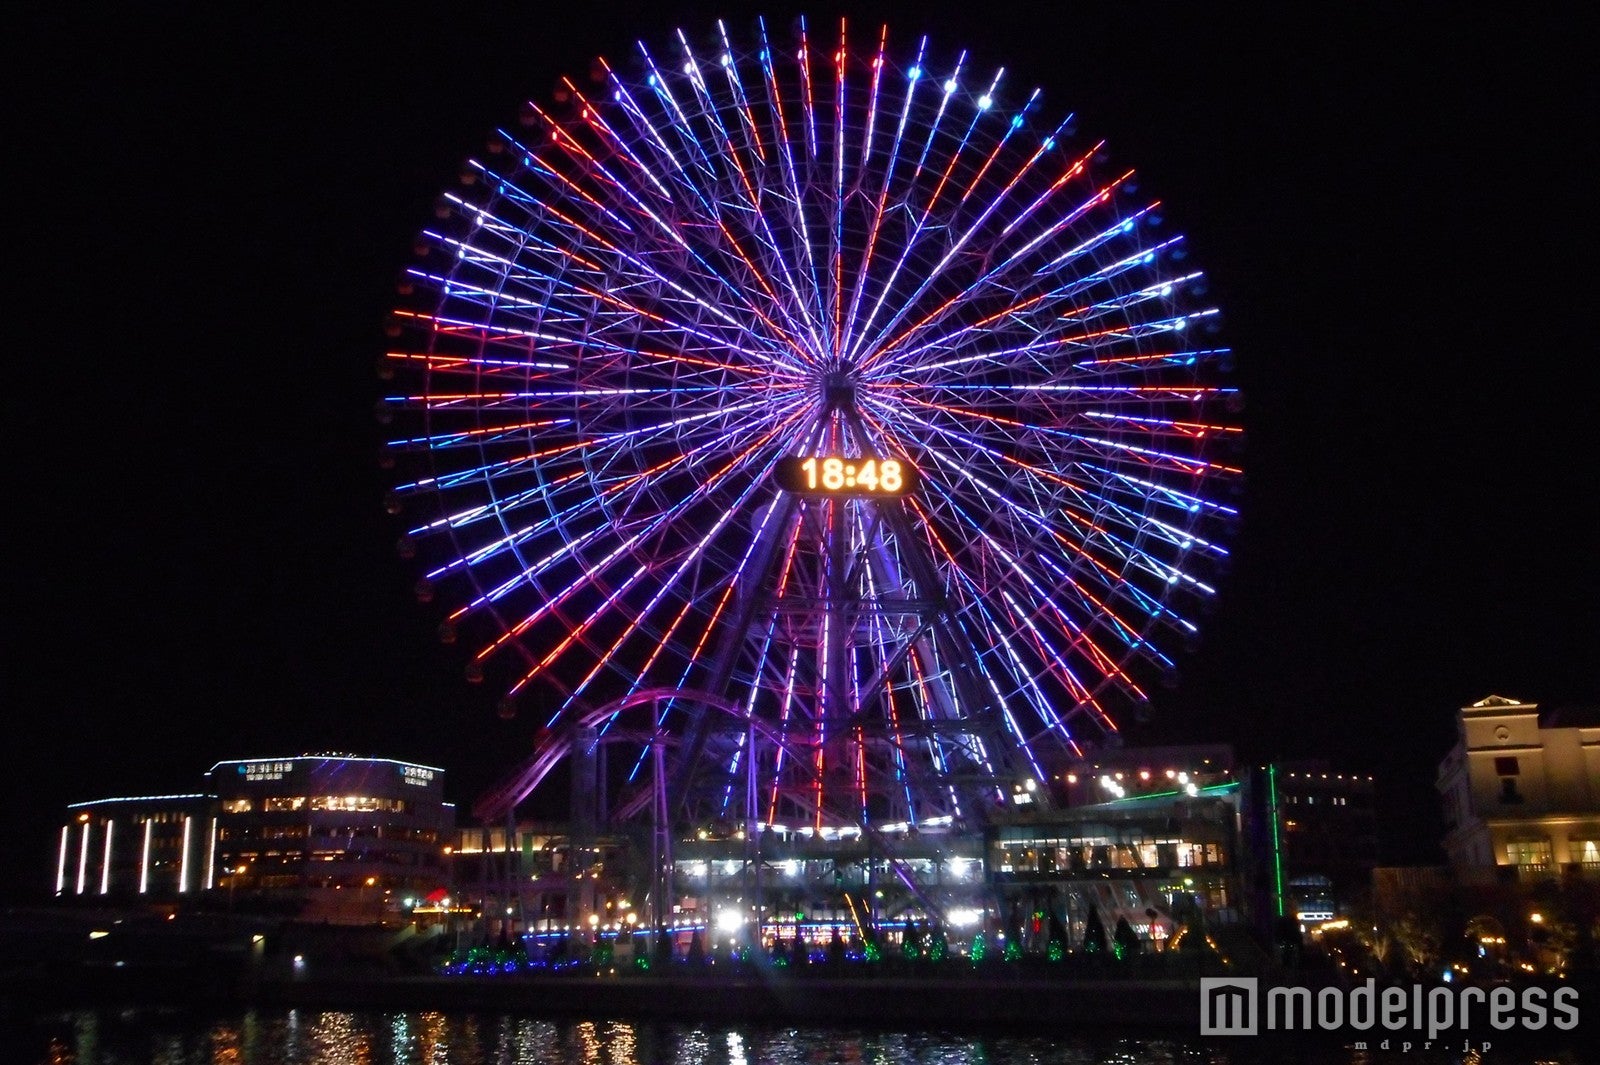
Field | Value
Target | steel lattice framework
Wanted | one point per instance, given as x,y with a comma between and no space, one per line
724,253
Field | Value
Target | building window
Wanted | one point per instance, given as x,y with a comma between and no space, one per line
1508,790
1506,767
1529,855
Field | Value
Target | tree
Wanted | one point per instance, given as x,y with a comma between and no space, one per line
1125,941
1418,943
1056,945
1094,934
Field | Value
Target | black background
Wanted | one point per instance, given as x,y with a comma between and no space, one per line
212,202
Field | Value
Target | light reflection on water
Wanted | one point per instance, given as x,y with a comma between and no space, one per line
369,1037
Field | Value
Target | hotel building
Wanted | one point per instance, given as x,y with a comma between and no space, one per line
326,837
1521,791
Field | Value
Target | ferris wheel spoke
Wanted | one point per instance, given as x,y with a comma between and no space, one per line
752,208
879,213
711,204
1143,491
936,272
1047,311
793,199
920,226
755,345
1111,577
658,226
1079,546
1037,591
568,517
992,277
665,587
1093,503
560,514
593,571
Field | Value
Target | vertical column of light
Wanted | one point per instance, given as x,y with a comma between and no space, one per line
784,710
797,196
804,56
1277,843
909,244
144,858
838,190
757,672
785,270
61,859
105,862
83,856
211,857
886,641
856,548
880,211
183,855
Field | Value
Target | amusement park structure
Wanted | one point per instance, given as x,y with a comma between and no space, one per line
823,445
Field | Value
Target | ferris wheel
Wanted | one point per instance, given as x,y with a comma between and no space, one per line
816,421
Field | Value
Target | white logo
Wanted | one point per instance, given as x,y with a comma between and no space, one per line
1232,1006
1227,1005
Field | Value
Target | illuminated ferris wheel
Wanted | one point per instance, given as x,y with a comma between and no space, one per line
814,422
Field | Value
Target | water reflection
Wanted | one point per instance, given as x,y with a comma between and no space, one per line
333,1037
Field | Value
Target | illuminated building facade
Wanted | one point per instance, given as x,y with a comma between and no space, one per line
1521,791
332,836
1328,836
785,883
328,837
154,849
1150,835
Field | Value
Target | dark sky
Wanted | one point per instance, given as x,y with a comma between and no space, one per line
212,202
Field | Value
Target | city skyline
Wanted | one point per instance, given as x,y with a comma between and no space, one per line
1388,206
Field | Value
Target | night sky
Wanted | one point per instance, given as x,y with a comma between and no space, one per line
212,204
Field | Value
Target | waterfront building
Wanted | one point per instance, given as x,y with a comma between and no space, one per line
1521,791
1152,836
331,836
136,849
530,875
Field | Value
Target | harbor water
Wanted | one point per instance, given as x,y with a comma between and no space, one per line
149,1035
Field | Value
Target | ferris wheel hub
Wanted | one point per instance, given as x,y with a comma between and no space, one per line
839,386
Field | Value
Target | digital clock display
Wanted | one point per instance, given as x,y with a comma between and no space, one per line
834,475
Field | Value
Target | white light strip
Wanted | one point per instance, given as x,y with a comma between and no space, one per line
211,857
144,859
183,856
61,859
83,857
105,862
